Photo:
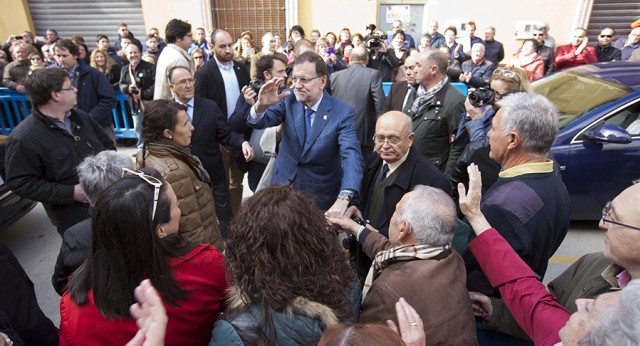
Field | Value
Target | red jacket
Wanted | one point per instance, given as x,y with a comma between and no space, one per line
566,57
535,309
201,271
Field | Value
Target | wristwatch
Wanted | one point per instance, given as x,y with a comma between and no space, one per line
7,340
345,195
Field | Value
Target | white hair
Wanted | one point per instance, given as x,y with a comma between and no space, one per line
99,171
620,324
534,118
431,214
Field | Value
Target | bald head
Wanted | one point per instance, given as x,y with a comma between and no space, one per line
622,241
303,45
393,136
358,56
477,52
395,117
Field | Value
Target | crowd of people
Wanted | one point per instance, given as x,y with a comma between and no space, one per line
420,217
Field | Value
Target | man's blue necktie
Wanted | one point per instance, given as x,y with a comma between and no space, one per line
307,122
385,170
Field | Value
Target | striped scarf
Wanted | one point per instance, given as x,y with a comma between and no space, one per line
399,254
426,95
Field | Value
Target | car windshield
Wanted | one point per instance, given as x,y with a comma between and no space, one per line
574,94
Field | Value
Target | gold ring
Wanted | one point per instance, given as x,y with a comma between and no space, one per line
413,324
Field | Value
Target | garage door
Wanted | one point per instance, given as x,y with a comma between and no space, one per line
87,18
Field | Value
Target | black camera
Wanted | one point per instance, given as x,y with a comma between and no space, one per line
482,96
376,40
256,84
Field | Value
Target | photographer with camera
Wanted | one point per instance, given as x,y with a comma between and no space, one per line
267,68
138,81
380,57
475,123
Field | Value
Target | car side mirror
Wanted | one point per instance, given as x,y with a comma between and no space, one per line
609,133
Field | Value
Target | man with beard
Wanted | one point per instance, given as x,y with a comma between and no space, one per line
220,80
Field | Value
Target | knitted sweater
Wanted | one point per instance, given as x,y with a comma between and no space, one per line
531,211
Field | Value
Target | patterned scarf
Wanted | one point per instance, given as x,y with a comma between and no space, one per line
426,95
400,254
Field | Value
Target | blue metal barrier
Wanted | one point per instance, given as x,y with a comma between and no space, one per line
462,87
15,107
122,120
386,87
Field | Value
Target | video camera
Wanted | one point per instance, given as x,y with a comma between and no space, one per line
374,40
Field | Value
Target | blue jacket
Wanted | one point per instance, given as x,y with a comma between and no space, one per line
328,161
95,94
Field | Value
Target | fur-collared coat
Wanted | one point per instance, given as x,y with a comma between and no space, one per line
302,322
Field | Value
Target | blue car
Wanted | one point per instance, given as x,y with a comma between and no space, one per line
598,146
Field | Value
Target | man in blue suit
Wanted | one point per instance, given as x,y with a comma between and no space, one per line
319,152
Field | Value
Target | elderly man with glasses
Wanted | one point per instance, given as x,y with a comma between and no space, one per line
593,274
395,170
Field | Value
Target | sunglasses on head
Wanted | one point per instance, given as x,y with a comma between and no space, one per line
506,73
153,181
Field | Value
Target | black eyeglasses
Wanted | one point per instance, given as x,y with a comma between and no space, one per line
607,36
605,212
153,181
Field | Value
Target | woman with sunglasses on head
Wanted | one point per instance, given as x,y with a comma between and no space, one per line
471,139
135,236
291,277
166,133
529,60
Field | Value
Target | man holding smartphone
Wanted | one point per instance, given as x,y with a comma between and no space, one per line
575,53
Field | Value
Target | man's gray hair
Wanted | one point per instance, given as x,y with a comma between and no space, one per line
620,324
431,214
534,118
436,57
99,171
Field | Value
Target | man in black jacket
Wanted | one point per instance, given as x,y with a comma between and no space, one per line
210,131
220,80
390,174
43,150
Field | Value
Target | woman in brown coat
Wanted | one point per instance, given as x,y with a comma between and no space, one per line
166,133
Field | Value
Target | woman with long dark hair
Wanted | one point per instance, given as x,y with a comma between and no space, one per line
135,236
166,133
292,279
